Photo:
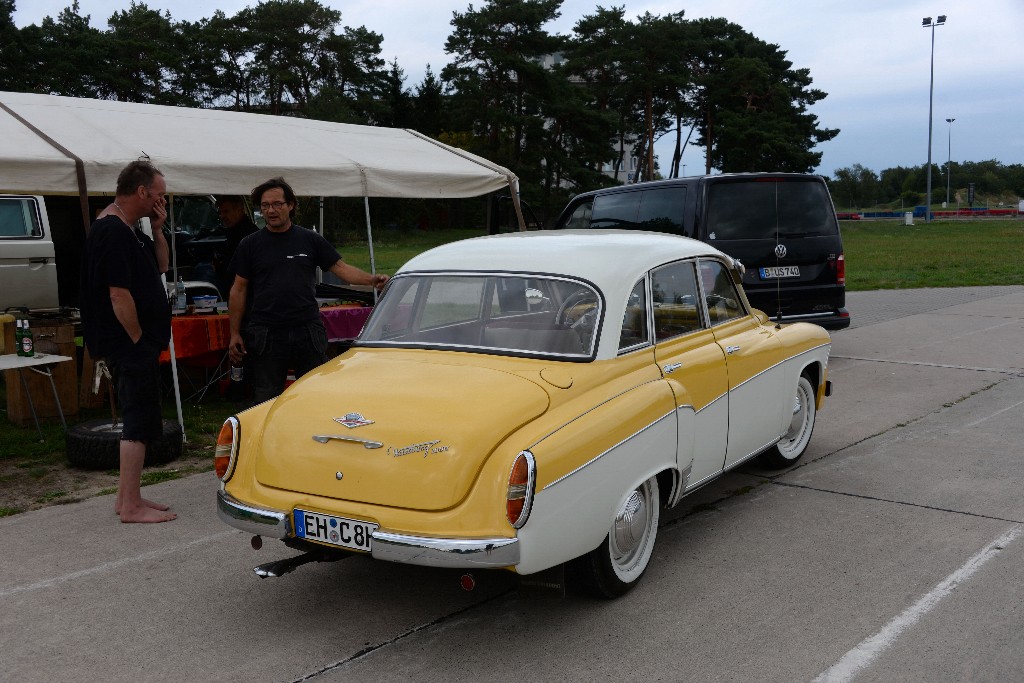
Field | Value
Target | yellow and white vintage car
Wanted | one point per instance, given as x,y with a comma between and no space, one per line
524,401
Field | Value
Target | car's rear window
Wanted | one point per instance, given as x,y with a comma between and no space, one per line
768,209
503,313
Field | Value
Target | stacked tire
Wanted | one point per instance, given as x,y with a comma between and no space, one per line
95,445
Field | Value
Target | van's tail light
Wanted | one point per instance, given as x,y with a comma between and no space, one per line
225,453
520,489
841,270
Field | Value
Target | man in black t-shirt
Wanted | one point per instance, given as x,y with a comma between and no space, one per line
275,290
126,320
237,226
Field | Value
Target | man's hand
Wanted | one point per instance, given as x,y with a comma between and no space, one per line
236,349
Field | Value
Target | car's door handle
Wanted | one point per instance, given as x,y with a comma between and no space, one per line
39,259
324,438
672,367
731,349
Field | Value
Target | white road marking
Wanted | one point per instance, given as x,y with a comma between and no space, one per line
870,648
108,566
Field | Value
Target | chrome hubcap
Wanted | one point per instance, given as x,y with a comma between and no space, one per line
631,523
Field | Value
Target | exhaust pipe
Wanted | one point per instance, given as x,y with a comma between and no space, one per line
289,564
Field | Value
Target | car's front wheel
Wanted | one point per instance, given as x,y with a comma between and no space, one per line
794,442
615,566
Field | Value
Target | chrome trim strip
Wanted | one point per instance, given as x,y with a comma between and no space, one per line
601,455
252,519
593,408
445,552
781,362
324,438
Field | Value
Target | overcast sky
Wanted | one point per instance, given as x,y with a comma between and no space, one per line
870,56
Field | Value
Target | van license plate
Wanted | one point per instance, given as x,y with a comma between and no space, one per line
347,533
775,272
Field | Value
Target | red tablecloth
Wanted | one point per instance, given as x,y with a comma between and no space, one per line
197,336
344,322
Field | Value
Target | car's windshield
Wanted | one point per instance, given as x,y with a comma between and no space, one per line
503,313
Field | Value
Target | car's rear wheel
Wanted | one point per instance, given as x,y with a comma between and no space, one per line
615,566
794,442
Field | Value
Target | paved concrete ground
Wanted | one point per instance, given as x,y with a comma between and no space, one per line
892,552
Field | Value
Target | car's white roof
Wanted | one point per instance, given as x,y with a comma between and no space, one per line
613,260
600,256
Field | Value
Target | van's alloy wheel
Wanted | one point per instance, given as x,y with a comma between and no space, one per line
95,445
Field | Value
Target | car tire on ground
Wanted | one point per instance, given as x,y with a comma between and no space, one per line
95,445
615,566
794,442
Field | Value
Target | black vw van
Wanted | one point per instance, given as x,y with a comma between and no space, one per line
781,226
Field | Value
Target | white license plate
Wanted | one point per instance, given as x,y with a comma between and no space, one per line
775,272
346,533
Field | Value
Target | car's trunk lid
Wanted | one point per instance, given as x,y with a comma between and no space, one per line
436,420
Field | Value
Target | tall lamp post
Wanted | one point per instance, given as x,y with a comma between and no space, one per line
949,156
928,23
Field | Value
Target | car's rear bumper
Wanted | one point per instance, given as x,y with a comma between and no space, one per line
387,545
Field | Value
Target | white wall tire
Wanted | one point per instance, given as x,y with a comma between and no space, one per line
614,567
794,442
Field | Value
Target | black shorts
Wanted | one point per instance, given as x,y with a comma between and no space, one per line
137,382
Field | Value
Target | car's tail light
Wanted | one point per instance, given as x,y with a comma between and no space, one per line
841,270
520,489
226,450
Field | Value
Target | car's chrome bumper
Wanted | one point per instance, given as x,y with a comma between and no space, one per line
252,519
389,546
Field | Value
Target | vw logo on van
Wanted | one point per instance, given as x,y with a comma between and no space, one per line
780,250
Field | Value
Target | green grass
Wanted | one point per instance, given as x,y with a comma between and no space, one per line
890,255
879,254
392,249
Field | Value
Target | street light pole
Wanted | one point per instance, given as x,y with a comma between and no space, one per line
928,23
949,156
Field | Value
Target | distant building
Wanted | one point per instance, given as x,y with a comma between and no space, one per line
622,169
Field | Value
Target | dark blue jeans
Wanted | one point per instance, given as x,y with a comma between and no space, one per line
271,352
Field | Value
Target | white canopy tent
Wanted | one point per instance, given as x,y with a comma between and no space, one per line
205,151
65,145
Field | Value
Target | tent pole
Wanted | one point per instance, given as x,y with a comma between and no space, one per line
513,187
170,348
320,229
369,239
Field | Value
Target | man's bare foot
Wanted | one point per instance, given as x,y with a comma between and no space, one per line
146,515
148,503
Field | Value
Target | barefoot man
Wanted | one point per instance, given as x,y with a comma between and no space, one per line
126,319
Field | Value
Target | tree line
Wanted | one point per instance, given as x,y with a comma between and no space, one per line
558,110
859,188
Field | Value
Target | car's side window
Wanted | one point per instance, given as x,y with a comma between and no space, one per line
18,218
674,296
720,293
634,321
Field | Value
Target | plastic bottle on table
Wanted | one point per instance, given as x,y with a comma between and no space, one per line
179,294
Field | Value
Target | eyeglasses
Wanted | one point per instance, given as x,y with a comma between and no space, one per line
276,206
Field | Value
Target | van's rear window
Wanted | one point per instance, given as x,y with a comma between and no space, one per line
760,209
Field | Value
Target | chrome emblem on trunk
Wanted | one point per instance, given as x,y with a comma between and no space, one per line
780,250
353,420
